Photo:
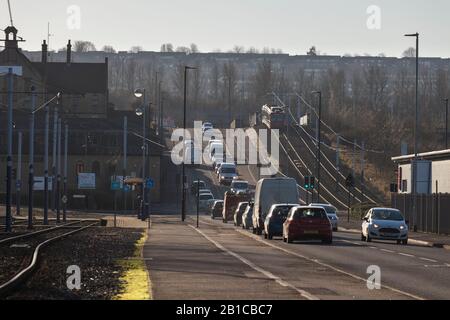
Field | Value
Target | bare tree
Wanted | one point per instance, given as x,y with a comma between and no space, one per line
238,49
312,51
409,53
167,47
194,48
136,49
108,49
83,46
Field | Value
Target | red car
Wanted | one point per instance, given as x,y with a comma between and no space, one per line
308,223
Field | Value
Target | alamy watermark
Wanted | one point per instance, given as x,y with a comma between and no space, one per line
374,280
73,17
74,280
374,18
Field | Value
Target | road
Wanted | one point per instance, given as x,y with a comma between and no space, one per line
220,261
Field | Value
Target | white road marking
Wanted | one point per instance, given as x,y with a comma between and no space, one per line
407,255
428,260
327,265
269,275
351,242
388,251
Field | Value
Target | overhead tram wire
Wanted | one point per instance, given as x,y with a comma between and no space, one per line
314,139
342,138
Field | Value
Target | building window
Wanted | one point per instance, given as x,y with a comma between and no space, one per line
405,186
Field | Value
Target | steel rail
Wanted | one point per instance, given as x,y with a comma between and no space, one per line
20,277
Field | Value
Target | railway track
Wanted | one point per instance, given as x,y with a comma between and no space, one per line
19,255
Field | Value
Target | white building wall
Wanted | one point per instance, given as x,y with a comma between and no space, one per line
441,172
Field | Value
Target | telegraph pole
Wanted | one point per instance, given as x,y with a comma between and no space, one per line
8,222
54,156
46,173
58,174
66,150
19,173
31,160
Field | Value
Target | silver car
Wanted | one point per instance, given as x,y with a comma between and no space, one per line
331,213
385,224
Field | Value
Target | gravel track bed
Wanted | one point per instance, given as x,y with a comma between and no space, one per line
97,251
15,256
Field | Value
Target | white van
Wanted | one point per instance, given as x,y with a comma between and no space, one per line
269,192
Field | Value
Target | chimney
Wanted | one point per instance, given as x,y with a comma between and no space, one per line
44,52
69,53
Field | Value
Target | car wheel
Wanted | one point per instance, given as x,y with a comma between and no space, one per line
270,237
289,239
399,241
328,241
405,242
368,239
335,230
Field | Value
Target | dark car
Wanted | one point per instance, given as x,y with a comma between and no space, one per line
278,214
239,212
308,223
217,209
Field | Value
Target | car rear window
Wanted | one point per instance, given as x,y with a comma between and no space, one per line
281,212
206,197
313,213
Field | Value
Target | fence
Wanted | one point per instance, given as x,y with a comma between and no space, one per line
433,211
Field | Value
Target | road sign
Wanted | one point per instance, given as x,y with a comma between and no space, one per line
116,185
39,183
86,181
150,183
64,199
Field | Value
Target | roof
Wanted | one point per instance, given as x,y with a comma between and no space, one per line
434,155
75,78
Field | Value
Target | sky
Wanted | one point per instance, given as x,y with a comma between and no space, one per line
334,27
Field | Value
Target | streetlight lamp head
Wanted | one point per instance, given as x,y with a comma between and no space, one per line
139,112
412,34
138,93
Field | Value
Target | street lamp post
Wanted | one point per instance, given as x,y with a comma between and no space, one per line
142,112
183,205
319,145
31,160
416,132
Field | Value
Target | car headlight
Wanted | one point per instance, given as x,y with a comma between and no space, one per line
376,226
402,227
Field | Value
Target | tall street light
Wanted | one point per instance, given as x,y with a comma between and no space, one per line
319,144
446,124
416,129
183,205
142,112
